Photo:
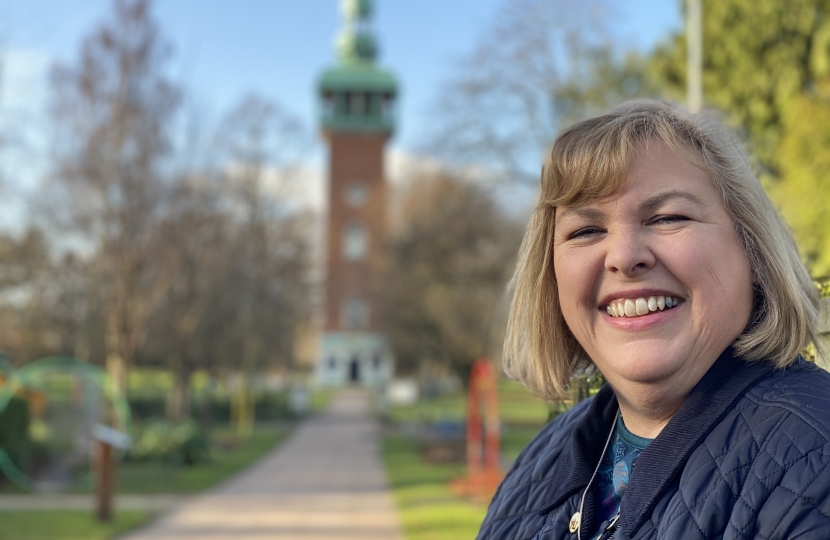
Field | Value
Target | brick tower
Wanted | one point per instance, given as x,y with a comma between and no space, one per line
357,118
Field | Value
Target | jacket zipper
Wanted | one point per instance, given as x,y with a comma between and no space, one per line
611,529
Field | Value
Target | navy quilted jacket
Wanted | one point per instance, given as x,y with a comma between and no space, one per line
746,456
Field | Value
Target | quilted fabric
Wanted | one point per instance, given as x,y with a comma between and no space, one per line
746,456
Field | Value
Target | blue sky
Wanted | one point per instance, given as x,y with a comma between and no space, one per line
278,47
225,50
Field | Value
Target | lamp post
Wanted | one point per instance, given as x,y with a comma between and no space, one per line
694,55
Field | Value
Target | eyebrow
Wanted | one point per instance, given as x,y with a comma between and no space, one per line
648,205
652,203
585,213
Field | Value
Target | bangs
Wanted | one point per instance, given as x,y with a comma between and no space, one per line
591,160
581,171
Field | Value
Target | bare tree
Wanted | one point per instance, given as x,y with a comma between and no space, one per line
196,230
241,254
506,99
26,296
112,110
261,146
448,262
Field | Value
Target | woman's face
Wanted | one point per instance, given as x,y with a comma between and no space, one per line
665,240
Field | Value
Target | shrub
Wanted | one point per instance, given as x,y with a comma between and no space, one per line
142,408
179,442
14,432
269,406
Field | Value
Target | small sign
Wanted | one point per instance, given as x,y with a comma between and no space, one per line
299,400
403,392
110,436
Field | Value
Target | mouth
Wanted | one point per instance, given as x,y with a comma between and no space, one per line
639,307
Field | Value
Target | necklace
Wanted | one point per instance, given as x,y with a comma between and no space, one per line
576,520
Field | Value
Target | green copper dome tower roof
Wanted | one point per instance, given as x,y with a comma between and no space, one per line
356,94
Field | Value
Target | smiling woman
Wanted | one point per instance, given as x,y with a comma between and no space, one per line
655,256
666,234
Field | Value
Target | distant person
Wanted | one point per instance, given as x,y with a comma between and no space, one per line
655,256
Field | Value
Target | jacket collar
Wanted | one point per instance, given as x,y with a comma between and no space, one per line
713,396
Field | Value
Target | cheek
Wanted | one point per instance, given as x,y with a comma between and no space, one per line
740,282
563,279
574,282
726,282
730,264
563,270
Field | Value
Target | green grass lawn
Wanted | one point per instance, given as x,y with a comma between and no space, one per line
65,525
321,399
517,405
227,458
426,506
514,439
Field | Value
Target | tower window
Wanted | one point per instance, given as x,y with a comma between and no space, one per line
355,242
358,103
356,193
355,314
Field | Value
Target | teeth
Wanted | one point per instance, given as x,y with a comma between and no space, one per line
634,307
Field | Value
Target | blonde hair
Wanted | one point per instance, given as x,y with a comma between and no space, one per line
590,162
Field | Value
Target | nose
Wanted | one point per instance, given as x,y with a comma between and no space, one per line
629,253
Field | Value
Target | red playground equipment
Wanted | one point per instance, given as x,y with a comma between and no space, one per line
483,433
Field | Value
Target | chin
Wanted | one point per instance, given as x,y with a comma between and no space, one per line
644,368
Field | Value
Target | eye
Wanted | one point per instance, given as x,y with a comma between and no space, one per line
667,219
584,232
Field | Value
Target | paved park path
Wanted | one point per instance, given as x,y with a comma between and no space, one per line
325,482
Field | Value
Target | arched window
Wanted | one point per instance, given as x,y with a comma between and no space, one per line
355,242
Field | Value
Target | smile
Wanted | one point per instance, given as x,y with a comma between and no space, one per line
636,307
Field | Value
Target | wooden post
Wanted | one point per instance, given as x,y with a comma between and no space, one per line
105,467
106,438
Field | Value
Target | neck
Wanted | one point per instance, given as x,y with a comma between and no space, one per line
646,422
647,408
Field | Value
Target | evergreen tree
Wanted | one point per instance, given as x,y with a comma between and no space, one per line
766,66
